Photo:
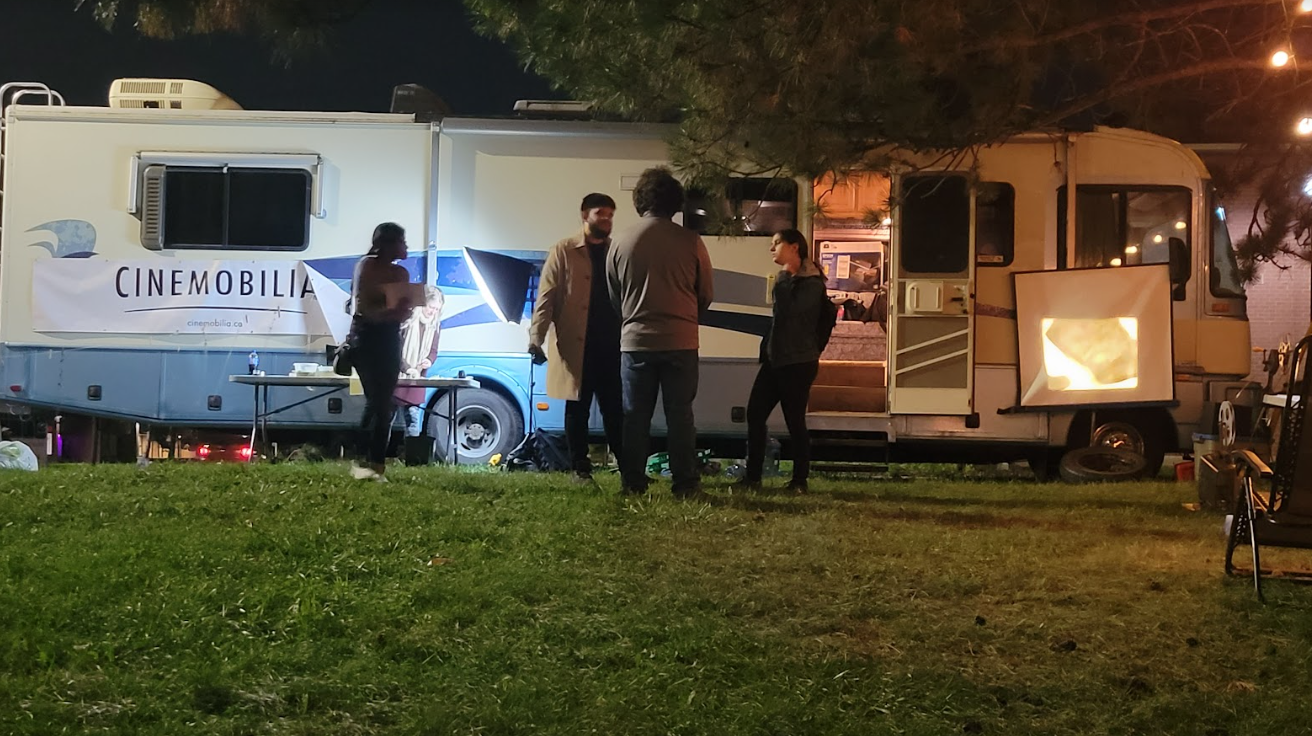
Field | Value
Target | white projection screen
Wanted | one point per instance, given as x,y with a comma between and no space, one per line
1095,336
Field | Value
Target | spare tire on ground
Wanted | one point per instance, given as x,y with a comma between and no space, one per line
1101,465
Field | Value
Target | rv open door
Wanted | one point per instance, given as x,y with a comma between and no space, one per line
931,296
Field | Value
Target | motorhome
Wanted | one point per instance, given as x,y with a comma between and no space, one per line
150,247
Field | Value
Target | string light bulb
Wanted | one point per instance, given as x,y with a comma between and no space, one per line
1305,124
1305,6
1280,58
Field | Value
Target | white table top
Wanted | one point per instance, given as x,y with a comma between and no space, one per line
1277,400
336,380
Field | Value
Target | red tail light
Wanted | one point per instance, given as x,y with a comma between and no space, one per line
245,453
203,452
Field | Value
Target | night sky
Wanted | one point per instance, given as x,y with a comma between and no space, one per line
427,42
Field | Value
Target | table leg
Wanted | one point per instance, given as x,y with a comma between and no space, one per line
255,424
452,426
264,422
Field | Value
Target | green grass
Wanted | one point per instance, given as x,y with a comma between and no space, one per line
290,600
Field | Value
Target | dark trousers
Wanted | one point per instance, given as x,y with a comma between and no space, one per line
601,381
672,373
790,387
377,356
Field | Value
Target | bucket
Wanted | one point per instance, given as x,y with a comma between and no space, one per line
1184,472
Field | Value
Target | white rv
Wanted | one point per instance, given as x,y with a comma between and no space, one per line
149,247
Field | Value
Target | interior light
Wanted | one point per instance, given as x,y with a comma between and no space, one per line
1305,6
1157,238
889,221
1305,124
1116,261
1180,225
1132,249
1307,187
1280,58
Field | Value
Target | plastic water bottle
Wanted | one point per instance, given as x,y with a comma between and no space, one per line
253,362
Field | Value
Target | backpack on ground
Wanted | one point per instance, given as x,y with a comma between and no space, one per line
540,451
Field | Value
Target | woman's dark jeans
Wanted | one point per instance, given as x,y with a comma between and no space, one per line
377,357
788,386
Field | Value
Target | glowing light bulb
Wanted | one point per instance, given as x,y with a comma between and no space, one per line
1305,6
1180,225
889,221
1157,238
1305,124
1132,249
1280,58
1116,261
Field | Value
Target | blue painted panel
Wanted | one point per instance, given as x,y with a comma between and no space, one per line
129,380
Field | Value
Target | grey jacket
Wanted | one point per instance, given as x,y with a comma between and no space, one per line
797,301
660,280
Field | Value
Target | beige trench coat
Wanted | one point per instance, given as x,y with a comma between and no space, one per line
561,313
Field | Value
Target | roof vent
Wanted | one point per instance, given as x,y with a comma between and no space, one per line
167,94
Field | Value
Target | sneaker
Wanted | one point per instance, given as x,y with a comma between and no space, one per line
694,491
360,472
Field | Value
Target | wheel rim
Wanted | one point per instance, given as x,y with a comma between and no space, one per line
477,431
1120,436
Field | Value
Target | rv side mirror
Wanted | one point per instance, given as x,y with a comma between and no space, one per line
1179,267
1179,261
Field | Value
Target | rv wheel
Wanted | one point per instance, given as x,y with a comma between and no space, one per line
1101,464
1139,432
486,424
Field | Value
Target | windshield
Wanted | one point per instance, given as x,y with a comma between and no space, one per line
1225,270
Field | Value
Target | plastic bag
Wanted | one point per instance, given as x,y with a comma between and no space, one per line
17,456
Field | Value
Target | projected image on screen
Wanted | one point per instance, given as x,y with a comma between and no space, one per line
1091,354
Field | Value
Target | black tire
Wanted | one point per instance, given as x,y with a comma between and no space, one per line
487,424
1101,465
1141,432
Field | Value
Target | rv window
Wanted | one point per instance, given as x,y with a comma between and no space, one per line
935,231
995,224
751,206
1125,226
239,209
1225,280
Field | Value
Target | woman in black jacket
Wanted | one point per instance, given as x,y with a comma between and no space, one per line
790,358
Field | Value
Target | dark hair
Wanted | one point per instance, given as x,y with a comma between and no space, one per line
658,192
795,237
595,200
388,233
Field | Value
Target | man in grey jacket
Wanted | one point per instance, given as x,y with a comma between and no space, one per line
660,280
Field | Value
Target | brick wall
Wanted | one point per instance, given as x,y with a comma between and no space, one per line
1279,299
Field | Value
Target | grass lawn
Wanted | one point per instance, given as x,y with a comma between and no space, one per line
291,600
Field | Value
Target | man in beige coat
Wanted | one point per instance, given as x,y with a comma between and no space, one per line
583,359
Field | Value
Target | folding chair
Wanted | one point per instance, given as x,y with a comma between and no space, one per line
1285,518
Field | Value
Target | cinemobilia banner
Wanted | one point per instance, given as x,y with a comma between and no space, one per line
185,297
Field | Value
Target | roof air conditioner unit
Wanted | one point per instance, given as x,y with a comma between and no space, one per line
554,108
167,94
